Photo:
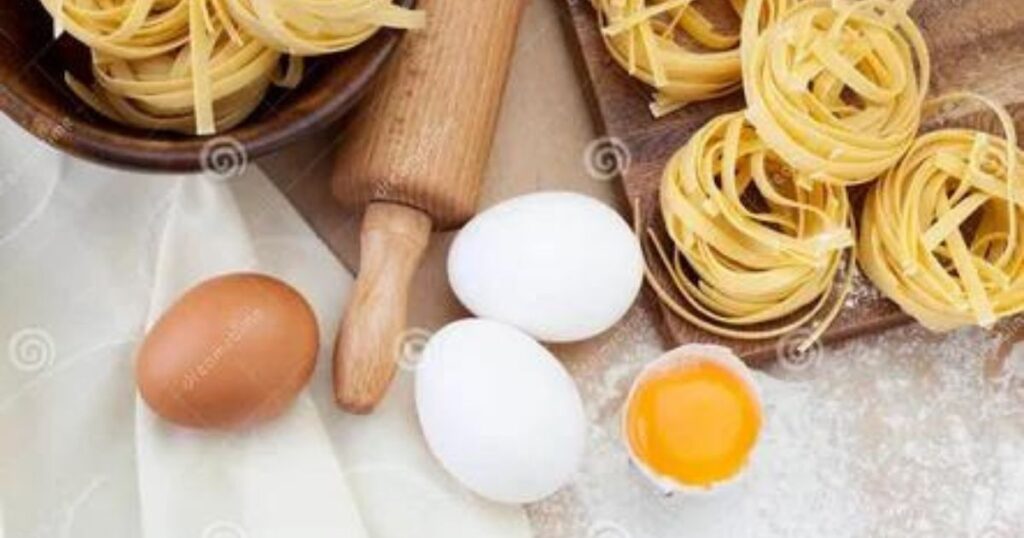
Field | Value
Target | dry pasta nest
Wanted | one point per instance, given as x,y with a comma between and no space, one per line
199,66
758,249
836,88
684,51
941,231
756,203
313,27
158,92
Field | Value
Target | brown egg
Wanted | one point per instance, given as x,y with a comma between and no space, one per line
232,351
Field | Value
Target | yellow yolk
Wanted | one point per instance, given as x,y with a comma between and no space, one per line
696,423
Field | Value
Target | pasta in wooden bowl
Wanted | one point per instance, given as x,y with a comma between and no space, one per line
119,87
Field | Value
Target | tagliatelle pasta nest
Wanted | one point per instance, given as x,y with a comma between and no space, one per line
756,205
161,92
199,66
765,245
671,46
941,232
313,27
836,88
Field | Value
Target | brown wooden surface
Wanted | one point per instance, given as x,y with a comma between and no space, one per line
975,44
33,93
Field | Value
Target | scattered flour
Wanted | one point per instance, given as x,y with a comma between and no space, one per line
897,435
861,291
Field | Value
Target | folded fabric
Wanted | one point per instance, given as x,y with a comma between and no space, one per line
89,258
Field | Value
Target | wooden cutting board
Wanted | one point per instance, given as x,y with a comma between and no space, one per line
975,44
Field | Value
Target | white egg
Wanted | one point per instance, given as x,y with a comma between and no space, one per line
558,265
499,411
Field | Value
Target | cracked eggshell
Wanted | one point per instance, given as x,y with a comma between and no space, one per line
670,360
559,265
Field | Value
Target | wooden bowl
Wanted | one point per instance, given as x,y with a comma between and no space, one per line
33,93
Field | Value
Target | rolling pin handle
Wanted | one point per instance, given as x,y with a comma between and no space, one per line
428,126
392,242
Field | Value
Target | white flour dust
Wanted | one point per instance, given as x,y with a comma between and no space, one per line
897,435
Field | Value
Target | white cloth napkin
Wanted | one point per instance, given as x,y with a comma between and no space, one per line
90,257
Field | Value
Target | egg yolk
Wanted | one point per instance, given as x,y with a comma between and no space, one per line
696,423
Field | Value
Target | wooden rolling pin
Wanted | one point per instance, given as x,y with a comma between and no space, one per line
415,154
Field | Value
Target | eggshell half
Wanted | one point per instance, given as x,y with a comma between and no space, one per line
681,356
